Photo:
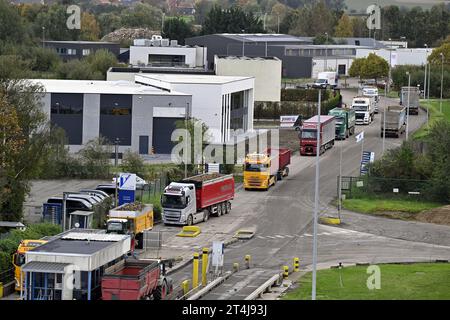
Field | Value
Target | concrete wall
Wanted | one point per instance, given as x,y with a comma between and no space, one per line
267,74
140,54
416,56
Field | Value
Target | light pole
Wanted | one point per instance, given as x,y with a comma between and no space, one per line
425,76
407,106
326,52
116,163
429,81
316,202
384,126
185,139
390,65
43,37
340,184
442,80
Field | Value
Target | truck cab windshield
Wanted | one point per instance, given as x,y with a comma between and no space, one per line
309,134
255,167
339,120
19,259
321,80
360,108
172,201
115,227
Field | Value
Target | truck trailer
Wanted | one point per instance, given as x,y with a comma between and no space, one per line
326,79
345,122
195,198
414,96
395,121
364,109
308,135
133,279
262,170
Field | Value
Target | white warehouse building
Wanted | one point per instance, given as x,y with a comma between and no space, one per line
265,70
140,117
165,53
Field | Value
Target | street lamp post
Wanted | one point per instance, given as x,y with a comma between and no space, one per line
116,163
384,125
442,80
316,202
425,76
407,106
326,52
43,37
390,65
185,139
340,184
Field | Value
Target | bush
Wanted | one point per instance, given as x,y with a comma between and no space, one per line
133,163
311,95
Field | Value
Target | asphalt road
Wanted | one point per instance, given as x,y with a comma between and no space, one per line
282,218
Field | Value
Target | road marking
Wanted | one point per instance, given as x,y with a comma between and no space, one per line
260,237
307,235
278,236
270,237
289,236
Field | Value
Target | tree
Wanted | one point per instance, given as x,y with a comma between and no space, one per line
95,156
435,56
100,61
77,70
133,163
11,29
90,29
177,29
233,20
372,67
142,15
53,19
202,8
344,28
108,22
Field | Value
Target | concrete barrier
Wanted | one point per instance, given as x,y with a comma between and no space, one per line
274,280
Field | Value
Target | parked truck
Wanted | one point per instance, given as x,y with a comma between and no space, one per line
345,122
364,109
131,218
414,96
262,170
372,92
308,135
326,79
195,198
133,279
395,121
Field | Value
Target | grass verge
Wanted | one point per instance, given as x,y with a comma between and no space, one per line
428,281
434,115
371,205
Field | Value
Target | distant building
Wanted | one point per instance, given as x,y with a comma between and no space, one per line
158,52
69,50
265,70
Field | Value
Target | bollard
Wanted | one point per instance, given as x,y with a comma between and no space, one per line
296,264
185,286
247,261
195,271
236,267
204,266
285,272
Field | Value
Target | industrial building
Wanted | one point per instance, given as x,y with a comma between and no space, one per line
138,117
265,70
69,50
71,265
158,52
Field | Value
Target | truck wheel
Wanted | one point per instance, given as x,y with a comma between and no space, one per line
219,210
280,175
224,208
347,134
205,215
190,220
228,206
161,291
286,171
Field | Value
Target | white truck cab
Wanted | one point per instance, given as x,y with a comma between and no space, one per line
179,204
372,92
364,109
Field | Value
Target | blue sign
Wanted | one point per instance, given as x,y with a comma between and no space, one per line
127,187
367,157
52,212
126,196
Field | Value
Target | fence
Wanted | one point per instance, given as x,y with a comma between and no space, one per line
354,187
154,188
7,276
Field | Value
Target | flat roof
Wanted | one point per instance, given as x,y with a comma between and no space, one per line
246,58
100,87
45,267
80,42
193,78
265,37
11,224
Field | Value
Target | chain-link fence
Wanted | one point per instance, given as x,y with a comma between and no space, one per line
354,187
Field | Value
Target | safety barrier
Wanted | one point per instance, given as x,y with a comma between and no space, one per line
189,231
275,280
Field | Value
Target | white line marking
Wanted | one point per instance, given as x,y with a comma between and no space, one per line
270,237
278,236
307,235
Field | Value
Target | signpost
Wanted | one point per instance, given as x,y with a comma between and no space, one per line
127,188
288,121
217,255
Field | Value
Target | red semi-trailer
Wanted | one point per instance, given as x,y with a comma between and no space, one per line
308,135
133,279
195,198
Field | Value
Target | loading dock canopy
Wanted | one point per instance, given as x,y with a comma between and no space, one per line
45,267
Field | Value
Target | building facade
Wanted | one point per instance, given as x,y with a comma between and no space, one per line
138,117
69,50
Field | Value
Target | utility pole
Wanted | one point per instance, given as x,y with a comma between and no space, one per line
425,77
316,201
340,184
326,52
64,210
116,163
384,125
407,107
390,66
43,37
442,80
278,23
185,140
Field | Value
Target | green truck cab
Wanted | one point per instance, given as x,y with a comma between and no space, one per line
345,122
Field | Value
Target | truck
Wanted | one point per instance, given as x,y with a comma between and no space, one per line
364,109
195,198
414,96
345,122
326,79
18,259
372,92
308,135
395,121
131,218
133,279
262,170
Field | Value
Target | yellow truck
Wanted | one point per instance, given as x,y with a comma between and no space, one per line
18,259
131,218
262,170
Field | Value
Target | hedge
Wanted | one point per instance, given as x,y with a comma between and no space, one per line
305,95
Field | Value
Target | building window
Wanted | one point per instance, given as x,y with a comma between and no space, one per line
71,52
61,50
67,113
86,52
115,117
166,60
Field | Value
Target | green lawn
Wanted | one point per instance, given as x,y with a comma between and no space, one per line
428,281
371,205
434,115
